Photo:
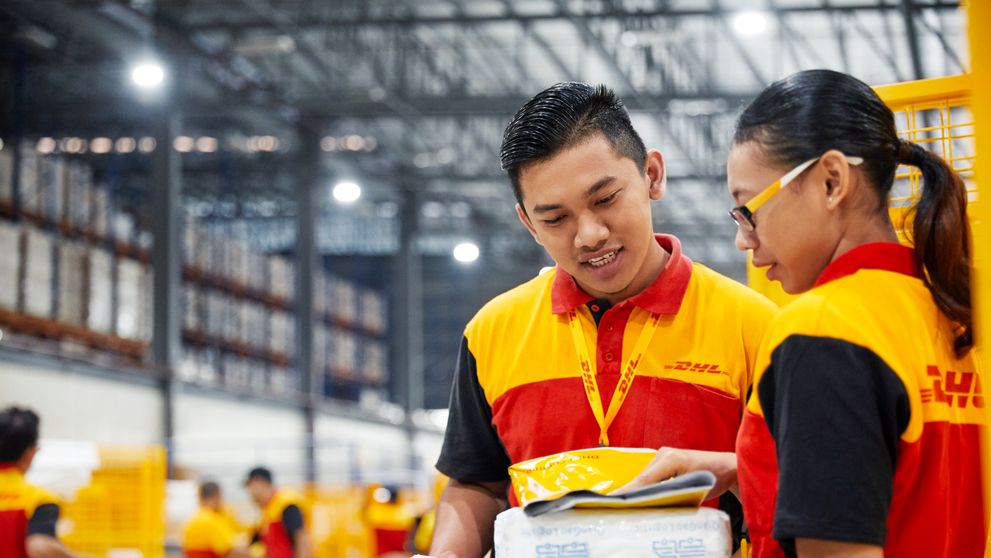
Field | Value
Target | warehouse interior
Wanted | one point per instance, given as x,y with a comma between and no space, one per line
251,232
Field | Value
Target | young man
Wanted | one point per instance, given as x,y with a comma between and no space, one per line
210,534
540,364
283,529
28,514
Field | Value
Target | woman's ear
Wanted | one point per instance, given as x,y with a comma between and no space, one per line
838,178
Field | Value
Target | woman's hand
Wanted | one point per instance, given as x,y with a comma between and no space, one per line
670,462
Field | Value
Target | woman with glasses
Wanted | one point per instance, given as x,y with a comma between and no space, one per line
862,433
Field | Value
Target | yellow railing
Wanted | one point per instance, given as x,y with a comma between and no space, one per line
979,29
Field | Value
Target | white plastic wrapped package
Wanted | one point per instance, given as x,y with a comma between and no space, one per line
644,533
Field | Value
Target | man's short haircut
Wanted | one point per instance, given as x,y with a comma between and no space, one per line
259,473
18,433
562,116
209,490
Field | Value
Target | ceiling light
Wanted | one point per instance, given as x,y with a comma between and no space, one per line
206,144
347,192
148,75
125,145
147,144
750,23
183,144
328,143
354,143
101,145
466,252
46,146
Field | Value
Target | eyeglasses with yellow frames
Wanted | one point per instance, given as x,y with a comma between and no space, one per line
744,214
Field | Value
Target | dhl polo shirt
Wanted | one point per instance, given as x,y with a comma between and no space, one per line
872,418
282,519
207,535
518,391
25,510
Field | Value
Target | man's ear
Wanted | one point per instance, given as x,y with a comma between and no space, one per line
525,219
838,178
657,178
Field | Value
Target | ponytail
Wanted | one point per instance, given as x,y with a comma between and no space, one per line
941,236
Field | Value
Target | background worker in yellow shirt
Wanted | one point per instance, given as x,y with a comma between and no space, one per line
283,525
28,514
210,533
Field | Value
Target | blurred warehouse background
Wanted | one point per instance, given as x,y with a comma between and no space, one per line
241,232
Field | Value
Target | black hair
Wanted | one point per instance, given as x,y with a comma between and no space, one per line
260,473
561,117
808,113
209,489
18,433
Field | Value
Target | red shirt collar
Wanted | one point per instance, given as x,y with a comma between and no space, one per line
662,296
5,465
886,256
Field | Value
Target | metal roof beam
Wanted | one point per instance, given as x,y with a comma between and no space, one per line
562,12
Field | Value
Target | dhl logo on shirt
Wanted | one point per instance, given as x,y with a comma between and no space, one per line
695,367
962,387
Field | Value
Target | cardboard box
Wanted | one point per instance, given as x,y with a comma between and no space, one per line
52,175
374,361
344,301
281,277
39,277
10,264
29,188
345,354
129,282
216,315
99,312
596,533
79,195
192,308
209,366
123,226
72,267
374,315
146,309
99,211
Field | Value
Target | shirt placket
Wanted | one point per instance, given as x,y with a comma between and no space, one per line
609,341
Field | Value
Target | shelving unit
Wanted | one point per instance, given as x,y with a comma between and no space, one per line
82,270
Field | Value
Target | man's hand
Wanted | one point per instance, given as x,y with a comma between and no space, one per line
670,462
466,518
44,546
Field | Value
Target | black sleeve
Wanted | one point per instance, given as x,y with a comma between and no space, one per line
836,412
292,521
43,521
472,450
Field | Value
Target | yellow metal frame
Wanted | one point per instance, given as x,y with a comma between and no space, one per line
979,29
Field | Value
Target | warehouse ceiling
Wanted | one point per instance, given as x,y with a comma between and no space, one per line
428,86
410,98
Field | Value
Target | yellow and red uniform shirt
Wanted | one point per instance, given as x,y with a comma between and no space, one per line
281,519
518,391
863,425
25,510
208,535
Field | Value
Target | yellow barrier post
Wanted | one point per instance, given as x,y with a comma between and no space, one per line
979,27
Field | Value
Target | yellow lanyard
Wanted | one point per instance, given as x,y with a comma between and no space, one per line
625,382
